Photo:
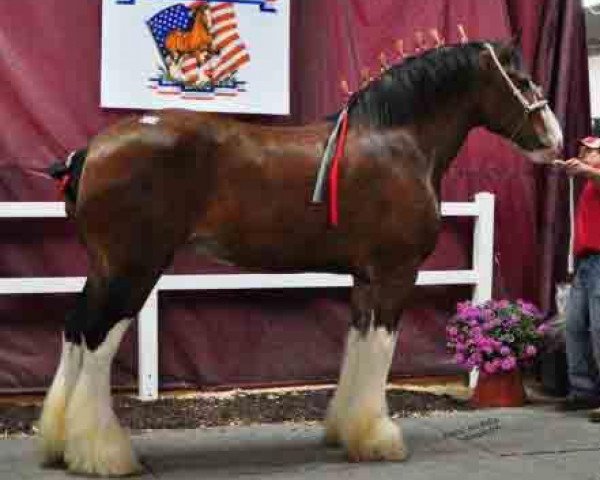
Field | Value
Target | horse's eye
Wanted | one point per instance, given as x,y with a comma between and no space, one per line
523,84
520,81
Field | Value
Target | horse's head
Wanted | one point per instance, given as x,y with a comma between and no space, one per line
513,106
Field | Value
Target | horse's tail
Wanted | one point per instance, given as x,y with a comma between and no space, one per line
67,173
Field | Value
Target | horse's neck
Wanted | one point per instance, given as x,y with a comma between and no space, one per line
441,136
200,27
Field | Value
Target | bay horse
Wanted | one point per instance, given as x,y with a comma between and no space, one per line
242,191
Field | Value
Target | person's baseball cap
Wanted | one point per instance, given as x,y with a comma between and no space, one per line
590,142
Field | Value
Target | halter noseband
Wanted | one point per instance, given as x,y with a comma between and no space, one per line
529,107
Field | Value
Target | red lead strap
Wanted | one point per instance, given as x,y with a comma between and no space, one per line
334,213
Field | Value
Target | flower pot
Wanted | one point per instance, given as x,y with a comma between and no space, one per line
503,389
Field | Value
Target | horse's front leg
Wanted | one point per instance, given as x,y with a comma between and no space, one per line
358,416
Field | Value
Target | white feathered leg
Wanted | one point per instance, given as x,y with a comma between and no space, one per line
52,419
366,430
95,442
339,404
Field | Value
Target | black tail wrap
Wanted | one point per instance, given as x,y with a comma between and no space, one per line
73,168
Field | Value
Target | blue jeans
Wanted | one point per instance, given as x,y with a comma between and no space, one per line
583,329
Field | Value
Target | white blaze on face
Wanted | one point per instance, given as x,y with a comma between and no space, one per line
550,134
553,136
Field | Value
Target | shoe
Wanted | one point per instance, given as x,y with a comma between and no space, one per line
594,416
580,403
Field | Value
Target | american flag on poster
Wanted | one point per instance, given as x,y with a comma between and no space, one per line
200,46
171,53
226,39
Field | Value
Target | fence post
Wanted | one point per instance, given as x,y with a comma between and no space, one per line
483,256
148,348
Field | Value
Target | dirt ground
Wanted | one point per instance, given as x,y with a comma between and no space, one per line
234,408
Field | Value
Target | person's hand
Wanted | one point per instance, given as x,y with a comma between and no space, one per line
574,166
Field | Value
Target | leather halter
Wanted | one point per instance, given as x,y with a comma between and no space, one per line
529,107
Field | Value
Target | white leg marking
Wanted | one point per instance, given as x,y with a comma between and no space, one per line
52,419
95,442
339,403
366,430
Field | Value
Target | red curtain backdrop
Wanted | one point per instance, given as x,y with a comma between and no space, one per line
50,58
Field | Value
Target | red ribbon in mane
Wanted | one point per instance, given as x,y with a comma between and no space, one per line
334,213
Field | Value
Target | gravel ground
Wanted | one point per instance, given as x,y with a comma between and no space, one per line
238,408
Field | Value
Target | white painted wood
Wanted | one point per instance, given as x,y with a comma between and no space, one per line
32,210
483,257
480,276
148,348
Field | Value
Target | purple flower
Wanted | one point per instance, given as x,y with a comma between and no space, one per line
528,309
509,363
505,351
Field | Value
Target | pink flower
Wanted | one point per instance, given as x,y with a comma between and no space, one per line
470,363
490,367
530,351
487,326
505,351
542,329
509,363
459,358
453,331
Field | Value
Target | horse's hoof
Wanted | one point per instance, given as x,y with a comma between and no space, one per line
105,453
377,440
51,443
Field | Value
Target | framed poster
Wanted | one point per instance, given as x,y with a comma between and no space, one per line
204,55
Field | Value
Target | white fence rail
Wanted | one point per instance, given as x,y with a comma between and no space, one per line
480,276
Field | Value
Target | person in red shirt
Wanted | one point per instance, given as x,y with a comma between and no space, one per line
583,308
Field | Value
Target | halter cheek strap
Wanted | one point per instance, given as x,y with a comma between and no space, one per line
529,107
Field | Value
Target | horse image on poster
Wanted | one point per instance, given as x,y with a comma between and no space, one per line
149,184
201,50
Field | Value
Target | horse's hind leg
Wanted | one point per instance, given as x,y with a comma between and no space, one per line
358,416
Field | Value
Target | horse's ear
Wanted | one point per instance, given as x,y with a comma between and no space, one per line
510,50
515,41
